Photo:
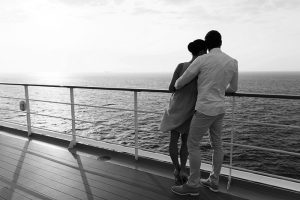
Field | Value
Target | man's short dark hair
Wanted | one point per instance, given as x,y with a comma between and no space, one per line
213,39
196,46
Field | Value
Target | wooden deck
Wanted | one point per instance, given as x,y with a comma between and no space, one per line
32,169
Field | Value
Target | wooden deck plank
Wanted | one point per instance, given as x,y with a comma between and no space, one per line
107,168
22,191
27,195
44,173
127,191
7,193
66,157
33,185
108,180
36,170
61,184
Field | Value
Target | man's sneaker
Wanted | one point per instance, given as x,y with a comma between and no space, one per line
185,190
207,183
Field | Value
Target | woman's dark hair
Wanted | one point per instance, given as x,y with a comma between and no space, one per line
213,39
196,46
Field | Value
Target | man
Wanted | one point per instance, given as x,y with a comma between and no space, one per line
217,73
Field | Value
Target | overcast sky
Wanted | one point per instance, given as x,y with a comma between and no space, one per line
66,36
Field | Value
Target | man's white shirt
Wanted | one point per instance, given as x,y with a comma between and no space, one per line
216,71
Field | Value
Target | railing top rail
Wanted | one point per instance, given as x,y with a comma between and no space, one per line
90,87
276,96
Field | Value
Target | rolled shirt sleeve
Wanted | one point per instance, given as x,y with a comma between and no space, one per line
233,84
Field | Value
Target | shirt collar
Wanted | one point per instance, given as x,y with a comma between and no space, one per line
215,50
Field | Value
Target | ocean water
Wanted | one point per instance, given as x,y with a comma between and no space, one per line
115,126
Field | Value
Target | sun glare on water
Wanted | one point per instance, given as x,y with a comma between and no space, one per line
50,78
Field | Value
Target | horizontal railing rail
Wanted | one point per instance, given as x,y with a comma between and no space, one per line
135,110
237,94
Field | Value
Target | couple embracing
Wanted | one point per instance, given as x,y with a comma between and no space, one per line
197,106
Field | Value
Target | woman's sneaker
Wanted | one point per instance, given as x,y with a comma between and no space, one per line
177,177
207,183
183,176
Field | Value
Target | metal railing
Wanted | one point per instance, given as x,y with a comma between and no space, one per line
135,111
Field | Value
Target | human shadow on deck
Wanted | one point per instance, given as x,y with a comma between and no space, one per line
9,190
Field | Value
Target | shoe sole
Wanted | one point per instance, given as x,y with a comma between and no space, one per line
185,194
211,189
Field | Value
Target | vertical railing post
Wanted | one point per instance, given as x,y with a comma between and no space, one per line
73,141
136,136
231,142
27,110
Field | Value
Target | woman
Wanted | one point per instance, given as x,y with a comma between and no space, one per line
178,116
